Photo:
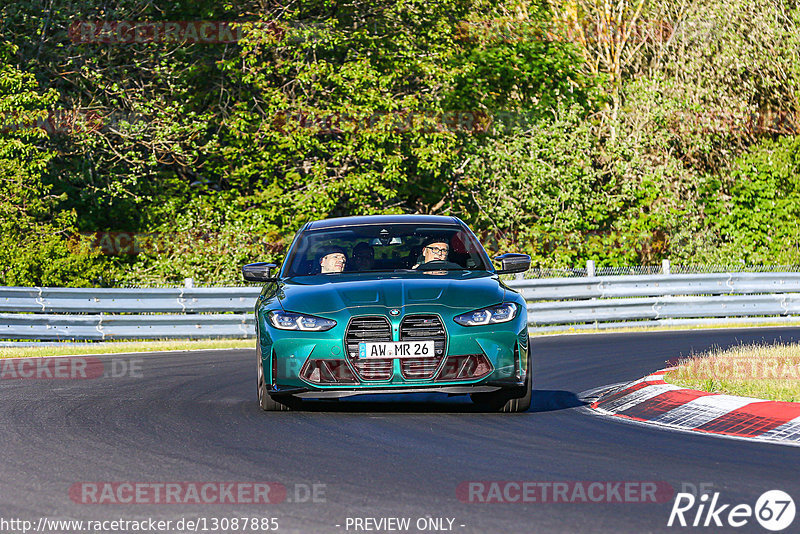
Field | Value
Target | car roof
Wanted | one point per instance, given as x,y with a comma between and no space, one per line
383,219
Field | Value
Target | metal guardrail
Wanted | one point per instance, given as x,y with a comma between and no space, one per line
106,327
104,314
117,300
553,304
657,285
666,267
613,300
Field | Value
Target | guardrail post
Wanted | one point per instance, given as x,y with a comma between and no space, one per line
664,266
590,268
188,282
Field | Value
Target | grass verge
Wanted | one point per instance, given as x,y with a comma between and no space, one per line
123,346
761,371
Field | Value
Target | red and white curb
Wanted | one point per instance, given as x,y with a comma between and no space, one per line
651,400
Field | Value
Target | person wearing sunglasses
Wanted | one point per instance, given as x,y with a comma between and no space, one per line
434,249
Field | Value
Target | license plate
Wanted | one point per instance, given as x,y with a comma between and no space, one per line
396,349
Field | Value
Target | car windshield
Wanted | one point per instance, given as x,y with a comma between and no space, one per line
371,248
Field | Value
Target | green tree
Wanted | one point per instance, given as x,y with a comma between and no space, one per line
755,214
35,239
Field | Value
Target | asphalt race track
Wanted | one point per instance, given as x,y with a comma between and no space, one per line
193,417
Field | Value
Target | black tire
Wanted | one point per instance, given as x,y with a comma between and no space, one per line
509,400
267,402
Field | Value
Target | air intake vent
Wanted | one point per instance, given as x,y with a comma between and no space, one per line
416,327
423,327
467,367
369,329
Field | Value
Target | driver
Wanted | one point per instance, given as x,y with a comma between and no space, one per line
332,260
434,249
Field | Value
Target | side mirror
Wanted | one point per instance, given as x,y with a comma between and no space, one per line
258,272
513,263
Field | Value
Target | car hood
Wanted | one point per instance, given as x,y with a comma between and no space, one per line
464,290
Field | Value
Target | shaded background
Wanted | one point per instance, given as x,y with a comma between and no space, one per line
659,129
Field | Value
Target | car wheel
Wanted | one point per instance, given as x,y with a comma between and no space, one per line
267,402
509,400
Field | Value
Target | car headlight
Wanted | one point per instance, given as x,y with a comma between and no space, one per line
492,315
298,321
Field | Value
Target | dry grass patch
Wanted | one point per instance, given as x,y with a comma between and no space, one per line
760,371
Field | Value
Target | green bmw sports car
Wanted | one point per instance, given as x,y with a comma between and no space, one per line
391,304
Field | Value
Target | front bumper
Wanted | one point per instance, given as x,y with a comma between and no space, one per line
337,393
285,353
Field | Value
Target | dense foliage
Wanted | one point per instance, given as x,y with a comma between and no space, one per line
624,132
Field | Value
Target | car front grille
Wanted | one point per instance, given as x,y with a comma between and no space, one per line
423,327
369,329
412,328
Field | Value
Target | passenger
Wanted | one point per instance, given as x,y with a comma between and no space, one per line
332,260
363,257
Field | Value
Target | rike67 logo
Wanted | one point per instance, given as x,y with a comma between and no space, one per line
774,510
